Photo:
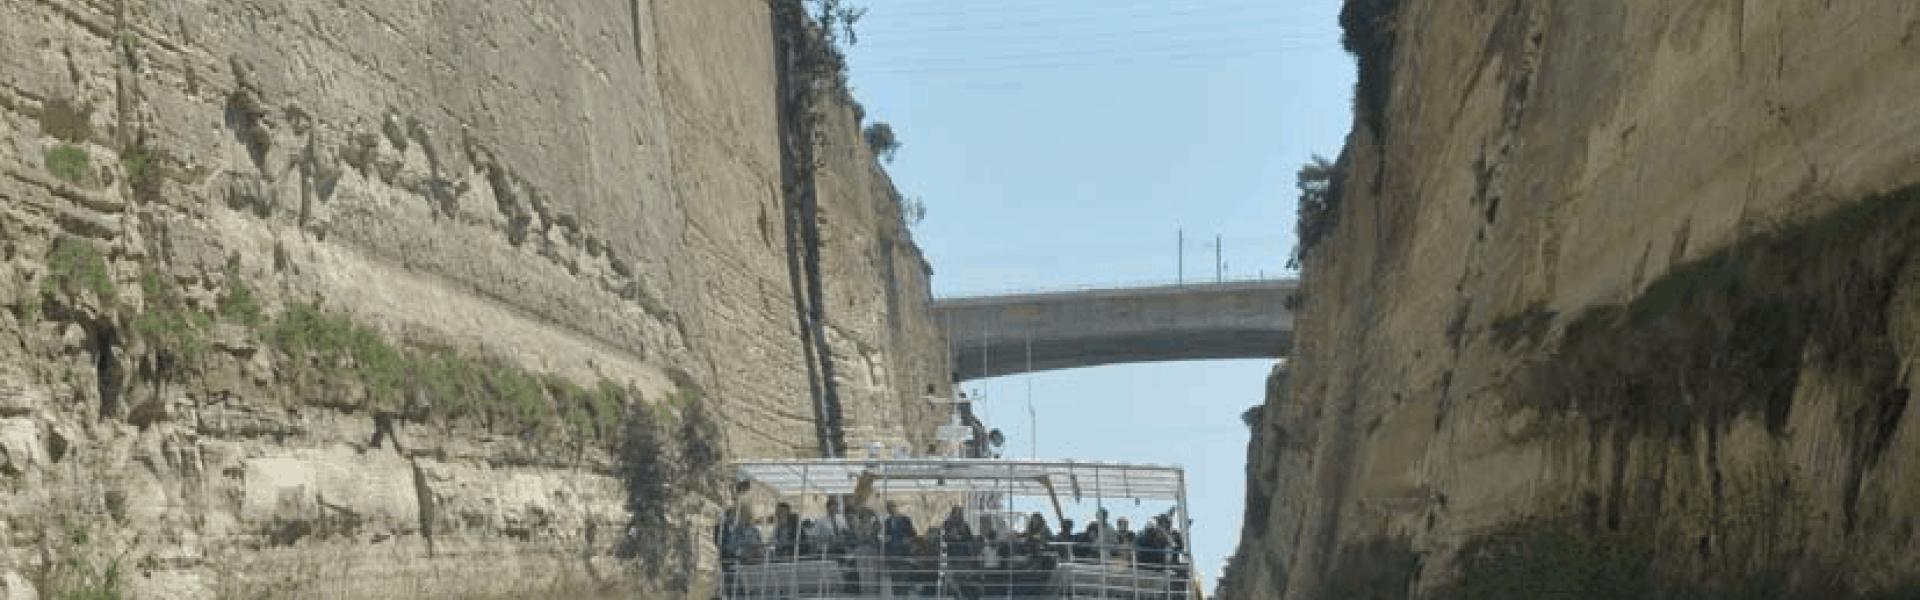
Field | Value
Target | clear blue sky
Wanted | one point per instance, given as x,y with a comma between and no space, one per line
1066,142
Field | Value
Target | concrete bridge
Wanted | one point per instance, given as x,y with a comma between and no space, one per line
991,335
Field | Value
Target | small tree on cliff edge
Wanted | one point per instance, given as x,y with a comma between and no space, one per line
881,139
837,19
1319,183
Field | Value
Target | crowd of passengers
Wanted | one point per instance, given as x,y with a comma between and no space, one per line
845,532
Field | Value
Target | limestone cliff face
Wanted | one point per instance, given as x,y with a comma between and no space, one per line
368,299
1618,299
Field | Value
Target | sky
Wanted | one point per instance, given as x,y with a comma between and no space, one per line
1067,143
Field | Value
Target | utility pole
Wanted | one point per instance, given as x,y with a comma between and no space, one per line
1033,421
1219,270
1180,251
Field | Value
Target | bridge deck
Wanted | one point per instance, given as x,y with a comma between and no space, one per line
995,335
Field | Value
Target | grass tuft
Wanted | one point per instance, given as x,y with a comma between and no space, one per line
69,163
75,266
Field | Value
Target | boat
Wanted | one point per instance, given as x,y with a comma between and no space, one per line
838,529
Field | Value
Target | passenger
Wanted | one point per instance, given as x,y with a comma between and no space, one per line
1065,541
1123,538
993,546
1153,544
740,540
786,530
831,531
1097,539
957,535
956,524
1076,543
1178,569
866,551
899,531
809,544
1176,543
900,545
925,572
1033,541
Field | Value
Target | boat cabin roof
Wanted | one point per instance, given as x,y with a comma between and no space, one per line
1060,479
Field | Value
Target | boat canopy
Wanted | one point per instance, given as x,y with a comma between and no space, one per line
1057,479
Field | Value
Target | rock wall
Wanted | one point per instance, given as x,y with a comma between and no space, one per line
1616,301
365,299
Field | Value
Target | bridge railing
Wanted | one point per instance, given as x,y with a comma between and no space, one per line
1110,286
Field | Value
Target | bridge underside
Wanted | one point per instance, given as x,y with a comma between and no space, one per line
991,335
980,359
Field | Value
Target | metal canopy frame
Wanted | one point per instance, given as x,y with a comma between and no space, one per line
1033,478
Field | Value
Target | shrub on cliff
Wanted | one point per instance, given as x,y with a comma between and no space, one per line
75,266
1367,32
69,163
1318,210
173,331
881,140
645,469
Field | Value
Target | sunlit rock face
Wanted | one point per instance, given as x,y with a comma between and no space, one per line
365,299
1616,298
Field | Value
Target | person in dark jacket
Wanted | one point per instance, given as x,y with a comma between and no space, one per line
1153,544
786,530
898,531
957,534
897,535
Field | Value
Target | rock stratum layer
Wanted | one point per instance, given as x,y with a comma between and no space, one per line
395,299
1616,299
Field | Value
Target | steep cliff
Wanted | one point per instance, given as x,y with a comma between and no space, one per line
430,298
1614,299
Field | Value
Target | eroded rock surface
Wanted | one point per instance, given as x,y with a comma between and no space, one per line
1618,299
353,299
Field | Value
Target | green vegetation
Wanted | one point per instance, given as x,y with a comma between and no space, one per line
913,210
136,160
175,331
75,266
74,578
818,50
337,346
646,469
69,163
146,169
1318,211
661,456
881,139
1252,415
1368,32
700,445
238,305
449,386
30,307
836,19
104,587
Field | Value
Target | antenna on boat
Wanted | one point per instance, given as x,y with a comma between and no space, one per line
955,432
1033,422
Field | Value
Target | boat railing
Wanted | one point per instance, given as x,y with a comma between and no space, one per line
962,570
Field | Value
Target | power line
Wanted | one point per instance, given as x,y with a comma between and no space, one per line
1160,10
888,46
980,7
1186,46
1079,19
1122,62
